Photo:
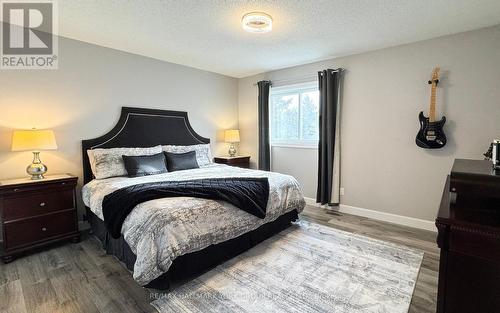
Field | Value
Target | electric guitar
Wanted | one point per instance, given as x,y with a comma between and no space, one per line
431,134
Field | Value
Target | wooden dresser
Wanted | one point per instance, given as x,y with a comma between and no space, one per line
37,213
239,161
469,237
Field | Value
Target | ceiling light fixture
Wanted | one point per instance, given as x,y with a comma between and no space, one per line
257,22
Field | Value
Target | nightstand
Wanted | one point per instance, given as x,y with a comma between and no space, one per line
35,213
239,161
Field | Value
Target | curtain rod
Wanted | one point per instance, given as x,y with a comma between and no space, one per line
281,81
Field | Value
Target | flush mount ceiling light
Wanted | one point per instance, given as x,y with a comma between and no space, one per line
257,22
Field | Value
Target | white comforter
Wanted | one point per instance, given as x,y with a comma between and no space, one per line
160,230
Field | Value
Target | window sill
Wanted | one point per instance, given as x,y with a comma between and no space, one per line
295,146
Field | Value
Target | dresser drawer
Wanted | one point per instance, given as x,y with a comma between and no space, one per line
35,229
36,204
48,186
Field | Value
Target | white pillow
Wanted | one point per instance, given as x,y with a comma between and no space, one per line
90,154
203,152
107,163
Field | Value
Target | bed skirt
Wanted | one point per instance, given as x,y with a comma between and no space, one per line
193,264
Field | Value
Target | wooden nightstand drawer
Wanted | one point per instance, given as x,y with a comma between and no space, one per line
26,188
29,231
239,161
34,213
37,204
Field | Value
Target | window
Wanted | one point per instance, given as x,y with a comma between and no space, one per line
294,114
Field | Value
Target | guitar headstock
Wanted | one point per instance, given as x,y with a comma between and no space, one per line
435,75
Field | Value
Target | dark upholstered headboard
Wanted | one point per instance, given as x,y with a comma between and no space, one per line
140,127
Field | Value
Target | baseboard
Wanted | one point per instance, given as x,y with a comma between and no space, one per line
311,201
381,216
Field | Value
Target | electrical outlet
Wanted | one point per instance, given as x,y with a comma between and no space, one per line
342,191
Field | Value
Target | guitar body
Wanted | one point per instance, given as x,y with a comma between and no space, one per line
431,134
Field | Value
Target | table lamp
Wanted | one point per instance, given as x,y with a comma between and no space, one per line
35,141
232,136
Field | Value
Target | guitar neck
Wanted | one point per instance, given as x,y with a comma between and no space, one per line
432,107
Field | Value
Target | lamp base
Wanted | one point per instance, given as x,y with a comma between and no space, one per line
37,168
232,150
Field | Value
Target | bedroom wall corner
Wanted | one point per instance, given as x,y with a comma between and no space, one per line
248,118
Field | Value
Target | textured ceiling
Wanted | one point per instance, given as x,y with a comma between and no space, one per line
207,34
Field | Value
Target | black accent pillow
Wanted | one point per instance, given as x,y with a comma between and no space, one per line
145,164
181,161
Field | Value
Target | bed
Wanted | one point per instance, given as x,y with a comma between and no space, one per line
167,241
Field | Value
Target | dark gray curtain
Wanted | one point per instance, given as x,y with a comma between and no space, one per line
328,154
264,146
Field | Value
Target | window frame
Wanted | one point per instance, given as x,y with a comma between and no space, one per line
292,90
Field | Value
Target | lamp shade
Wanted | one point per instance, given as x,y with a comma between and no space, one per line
33,140
232,135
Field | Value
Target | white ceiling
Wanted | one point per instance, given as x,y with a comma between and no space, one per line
207,34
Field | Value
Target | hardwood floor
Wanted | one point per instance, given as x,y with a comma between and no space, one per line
82,278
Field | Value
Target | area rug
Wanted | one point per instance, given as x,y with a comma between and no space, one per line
306,268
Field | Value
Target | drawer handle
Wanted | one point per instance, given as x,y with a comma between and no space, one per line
63,183
16,189
44,229
42,204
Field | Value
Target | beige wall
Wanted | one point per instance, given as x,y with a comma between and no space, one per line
382,169
298,162
82,100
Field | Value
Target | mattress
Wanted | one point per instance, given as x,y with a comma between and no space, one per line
161,230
